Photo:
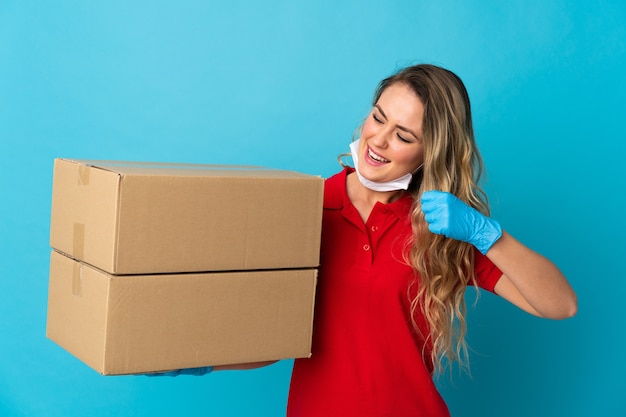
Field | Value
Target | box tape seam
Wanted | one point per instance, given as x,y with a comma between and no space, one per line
78,241
77,279
83,175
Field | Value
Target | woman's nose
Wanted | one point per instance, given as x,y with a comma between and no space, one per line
381,138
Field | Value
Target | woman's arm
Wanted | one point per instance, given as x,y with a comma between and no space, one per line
205,370
531,281
243,366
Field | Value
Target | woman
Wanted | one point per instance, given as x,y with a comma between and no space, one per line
404,233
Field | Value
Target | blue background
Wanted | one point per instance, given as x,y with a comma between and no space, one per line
284,84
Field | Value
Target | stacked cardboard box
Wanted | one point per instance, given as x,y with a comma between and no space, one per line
167,266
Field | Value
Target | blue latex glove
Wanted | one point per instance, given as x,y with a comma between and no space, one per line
187,371
447,215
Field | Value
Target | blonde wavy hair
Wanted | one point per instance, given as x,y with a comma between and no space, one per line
452,163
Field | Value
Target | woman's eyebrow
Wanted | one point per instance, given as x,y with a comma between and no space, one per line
405,129
381,111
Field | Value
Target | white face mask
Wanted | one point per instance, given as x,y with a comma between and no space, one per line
401,183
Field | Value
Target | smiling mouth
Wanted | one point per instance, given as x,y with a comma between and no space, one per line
376,157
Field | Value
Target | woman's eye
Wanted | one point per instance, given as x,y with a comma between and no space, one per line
376,118
403,139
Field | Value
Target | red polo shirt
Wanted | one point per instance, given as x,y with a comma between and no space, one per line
366,359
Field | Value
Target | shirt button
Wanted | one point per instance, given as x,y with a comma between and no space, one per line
374,229
366,247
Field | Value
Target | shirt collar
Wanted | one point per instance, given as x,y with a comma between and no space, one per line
336,196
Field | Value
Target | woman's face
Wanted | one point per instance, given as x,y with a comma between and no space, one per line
391,143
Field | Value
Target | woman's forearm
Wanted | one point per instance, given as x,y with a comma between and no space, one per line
533,279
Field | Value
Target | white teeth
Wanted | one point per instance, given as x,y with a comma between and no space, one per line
376,157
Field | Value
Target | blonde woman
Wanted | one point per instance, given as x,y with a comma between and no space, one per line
404,232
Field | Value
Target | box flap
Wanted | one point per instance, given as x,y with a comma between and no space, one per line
189,170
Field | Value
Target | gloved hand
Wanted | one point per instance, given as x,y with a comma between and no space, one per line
203,370
447,215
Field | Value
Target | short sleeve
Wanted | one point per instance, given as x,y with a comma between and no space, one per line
487,274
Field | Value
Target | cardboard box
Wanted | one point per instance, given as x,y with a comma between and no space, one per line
141,218
146,323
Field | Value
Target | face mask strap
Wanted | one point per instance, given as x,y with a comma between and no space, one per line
417,169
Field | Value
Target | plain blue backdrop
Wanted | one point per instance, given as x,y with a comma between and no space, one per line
284,83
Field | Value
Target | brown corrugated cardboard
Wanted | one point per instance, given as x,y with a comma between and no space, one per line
141,218
146,323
